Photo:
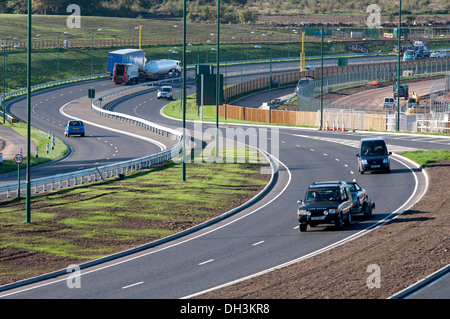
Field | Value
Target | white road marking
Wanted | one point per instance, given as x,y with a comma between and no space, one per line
205,262
258,243
132,285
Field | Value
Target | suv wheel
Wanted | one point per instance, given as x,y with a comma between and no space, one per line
367,208
303,227
340,223
349,219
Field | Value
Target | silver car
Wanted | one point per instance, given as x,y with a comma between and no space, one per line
165,92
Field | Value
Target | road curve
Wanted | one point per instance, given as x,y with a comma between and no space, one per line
262,236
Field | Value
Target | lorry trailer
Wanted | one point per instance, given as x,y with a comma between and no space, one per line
124,56
161,69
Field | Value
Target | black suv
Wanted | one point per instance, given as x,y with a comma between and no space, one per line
325,203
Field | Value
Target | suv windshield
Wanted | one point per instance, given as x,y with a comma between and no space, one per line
165,89
322,195
373,148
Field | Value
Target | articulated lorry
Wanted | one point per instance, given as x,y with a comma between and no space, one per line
124,56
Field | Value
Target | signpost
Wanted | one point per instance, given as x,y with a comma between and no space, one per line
18,159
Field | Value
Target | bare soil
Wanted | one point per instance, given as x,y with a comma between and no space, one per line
407,249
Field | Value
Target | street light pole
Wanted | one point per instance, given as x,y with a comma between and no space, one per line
270,79
4,80
92,50
321,78
183,94
399,33
217,78
57,63
129,36
28,195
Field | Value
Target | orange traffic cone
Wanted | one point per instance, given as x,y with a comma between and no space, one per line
343,127
328,126
320,126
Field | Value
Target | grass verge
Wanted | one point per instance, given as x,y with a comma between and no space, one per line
40,140
423,157
78,224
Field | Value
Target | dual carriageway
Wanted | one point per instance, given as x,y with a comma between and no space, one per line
259,237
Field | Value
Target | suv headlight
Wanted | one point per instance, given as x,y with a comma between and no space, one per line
333,210
385,160
364,162
303,212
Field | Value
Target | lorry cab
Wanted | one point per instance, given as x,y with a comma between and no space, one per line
126,73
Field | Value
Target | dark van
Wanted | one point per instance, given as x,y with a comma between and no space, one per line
373,155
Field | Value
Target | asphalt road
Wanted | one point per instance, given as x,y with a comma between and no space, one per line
262,236
98,147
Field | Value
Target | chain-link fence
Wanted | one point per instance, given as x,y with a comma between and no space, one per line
369,115
308,93
440,95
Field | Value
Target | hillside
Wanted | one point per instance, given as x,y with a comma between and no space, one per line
238,11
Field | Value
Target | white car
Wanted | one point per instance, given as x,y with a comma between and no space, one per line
389,103
165,92
438,54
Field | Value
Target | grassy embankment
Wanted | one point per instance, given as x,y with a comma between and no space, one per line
87,222
77,62
423,157
40,140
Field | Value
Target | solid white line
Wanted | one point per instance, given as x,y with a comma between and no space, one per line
161,145
132,285
256,244
395,214
206,262
170,246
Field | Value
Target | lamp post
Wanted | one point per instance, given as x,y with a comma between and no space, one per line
57,63
207,50
217,77
92,49
399,34
5,63
225,89
251,32
129,36
28,196
4,46
175,26
5,68
321,77
270,78
234,38
198,52
183,93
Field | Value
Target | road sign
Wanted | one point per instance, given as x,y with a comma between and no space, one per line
91,93
18,158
